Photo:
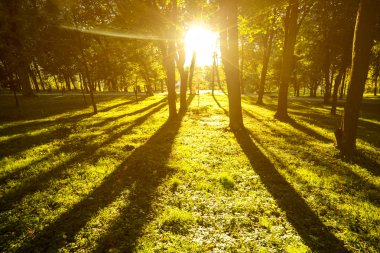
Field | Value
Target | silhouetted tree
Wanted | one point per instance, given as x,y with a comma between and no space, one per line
363,41
230,56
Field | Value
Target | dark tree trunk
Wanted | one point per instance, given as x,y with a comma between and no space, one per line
288,58
170,71
376,78
343,85
337,82
326,72
191,74
24,80
73,81
34,79
39,75
67,81
82,89
183,75
242,85
267,52
213,74
347,48
56,82
230,56
363,41
296,85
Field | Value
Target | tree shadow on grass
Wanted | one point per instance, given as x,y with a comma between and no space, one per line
109,108
29,126
141,174
311,229
363,160
308,131
219,105
42,180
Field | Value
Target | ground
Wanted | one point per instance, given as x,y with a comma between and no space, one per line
128,180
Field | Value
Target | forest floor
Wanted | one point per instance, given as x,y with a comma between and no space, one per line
128,180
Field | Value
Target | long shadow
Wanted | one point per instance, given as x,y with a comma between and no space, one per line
122,104
342,171
71,146
22,143
141,174
107,120
22,127
308,131
313,232
219,105
367,131
364,161
41,181
35,125
147,107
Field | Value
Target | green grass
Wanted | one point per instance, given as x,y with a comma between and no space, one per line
128,180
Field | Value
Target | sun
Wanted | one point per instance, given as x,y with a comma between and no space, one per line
202,41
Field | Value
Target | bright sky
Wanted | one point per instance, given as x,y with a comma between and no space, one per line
203,42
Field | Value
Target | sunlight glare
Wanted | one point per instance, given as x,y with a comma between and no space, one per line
203,42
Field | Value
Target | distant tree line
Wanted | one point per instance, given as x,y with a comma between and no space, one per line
298,47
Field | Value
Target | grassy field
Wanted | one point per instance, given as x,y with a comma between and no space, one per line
127,180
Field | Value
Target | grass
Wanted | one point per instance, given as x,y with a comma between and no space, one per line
127,180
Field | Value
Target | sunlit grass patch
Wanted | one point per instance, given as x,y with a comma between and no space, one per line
176,221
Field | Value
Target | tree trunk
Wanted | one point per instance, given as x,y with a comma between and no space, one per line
363,41
268,42
376,78
24,80
347,48
34,79
73,81
230,56
56,82
191,74
296,85
67,81
337,82
183,75
82,89
326,72
343,85
39,75
242,70
287,61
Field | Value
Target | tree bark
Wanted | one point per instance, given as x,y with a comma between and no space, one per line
287,61
39,75
34,79
268,42
326,72
363,41
191,74
230,56
181,57
24,80
337,82
376,78
342,71
343,85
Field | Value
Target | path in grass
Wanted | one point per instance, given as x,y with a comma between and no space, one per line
126,180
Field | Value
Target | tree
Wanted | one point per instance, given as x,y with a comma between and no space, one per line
291,29
363,41
230,57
